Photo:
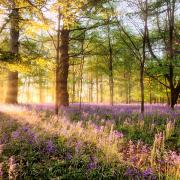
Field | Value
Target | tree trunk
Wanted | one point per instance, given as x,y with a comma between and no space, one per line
111,81
91,89
144,56
28,90
73,85
142,87
175,95
1,90
57,64
126,86
97,89
62,68
101,89
12,85
150,92
63,96
81,70
174,91
111,87
41,96
129,88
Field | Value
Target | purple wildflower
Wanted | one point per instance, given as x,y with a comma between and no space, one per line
31,137
148,172
92,163
16,134
132,172
118,134
129,172
4,139
50,147
98,128
69,156
134,159
25,128
78,146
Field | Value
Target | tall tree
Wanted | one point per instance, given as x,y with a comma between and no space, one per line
164,13
15,10
62,65
12,89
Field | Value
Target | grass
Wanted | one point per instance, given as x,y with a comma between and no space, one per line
96,142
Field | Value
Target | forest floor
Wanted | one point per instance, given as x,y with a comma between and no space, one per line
94,142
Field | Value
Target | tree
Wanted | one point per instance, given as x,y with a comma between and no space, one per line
168,64
138,48
16,8
12,91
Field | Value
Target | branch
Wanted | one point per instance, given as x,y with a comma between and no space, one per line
91,27
155,78
4,25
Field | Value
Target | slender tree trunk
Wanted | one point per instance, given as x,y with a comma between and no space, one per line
89,95
171,53
91,88
111,87
167,95
12,86
120,90
126,86
101,89
127,93
111,81
1,90
53,92
142,87
28,90
41,96
129,88
150,92
97,89
144,56
79,89
81,69
62,59
74,85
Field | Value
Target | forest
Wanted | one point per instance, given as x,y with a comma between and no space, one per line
90,89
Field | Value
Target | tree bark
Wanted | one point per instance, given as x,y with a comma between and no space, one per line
142,87
63,96
57,65
129,87
111,80
174,91
101,89
91,89
28,90
74,85
150,92
1,90
97,89
81,70
143,56
62,67
12,85
41,96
